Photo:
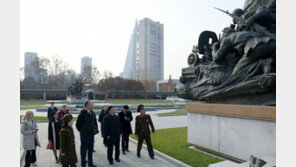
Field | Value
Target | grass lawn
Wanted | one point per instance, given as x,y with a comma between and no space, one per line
133,100
138,103
31,104
173,142
37,105
177,112
38,118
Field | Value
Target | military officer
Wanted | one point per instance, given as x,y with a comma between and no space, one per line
142,131
68,157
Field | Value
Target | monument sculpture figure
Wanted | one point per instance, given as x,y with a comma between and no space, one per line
76,87
238,67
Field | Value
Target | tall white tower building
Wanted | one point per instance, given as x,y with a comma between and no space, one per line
149,51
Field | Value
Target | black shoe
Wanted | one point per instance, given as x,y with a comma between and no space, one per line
118,160
127,150
57,160
92,165
139,156
111,163
152,157
123,152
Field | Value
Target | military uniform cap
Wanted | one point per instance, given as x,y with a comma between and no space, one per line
67,118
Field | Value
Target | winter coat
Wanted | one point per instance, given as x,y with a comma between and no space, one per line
50,111
101,117
62,113
53,133
112,127
87,123
142,125
126,124
68,146
30,139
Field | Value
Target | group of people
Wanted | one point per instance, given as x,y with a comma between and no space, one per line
61,135
54,127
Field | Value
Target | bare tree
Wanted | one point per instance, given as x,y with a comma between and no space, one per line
87,73
47,73
96,75
117,84
22,73
107,74
58,70
149,85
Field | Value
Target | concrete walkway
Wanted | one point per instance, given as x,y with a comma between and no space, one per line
45,157
159,122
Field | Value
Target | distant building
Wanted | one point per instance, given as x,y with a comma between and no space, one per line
149,50
167,84
144,59
129,71
71,74
29,69
86,68
86,61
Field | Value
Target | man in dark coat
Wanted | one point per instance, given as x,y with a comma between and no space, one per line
125,117
88,127
113,131
142,131
50,110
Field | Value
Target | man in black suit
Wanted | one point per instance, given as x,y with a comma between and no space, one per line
87,126
50,110
125,117
113,131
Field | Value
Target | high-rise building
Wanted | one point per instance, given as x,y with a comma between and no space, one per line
71,74
129,70
86,68
29,68
149,50
86,61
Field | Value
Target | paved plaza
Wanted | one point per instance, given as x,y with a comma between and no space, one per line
45,158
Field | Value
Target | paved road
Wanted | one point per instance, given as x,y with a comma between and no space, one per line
45,157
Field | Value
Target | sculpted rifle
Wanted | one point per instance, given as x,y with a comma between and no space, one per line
256,26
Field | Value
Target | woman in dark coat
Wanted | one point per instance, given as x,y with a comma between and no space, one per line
68,156
54,127
101,117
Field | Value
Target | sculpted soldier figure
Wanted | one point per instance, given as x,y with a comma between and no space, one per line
263,16
76,87
240,63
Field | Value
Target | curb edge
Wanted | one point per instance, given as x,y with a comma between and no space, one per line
163,156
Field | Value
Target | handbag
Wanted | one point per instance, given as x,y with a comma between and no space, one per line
50,145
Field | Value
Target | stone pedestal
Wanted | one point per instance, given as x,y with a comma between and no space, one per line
72,99
233,131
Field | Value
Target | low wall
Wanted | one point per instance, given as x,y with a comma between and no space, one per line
235,131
